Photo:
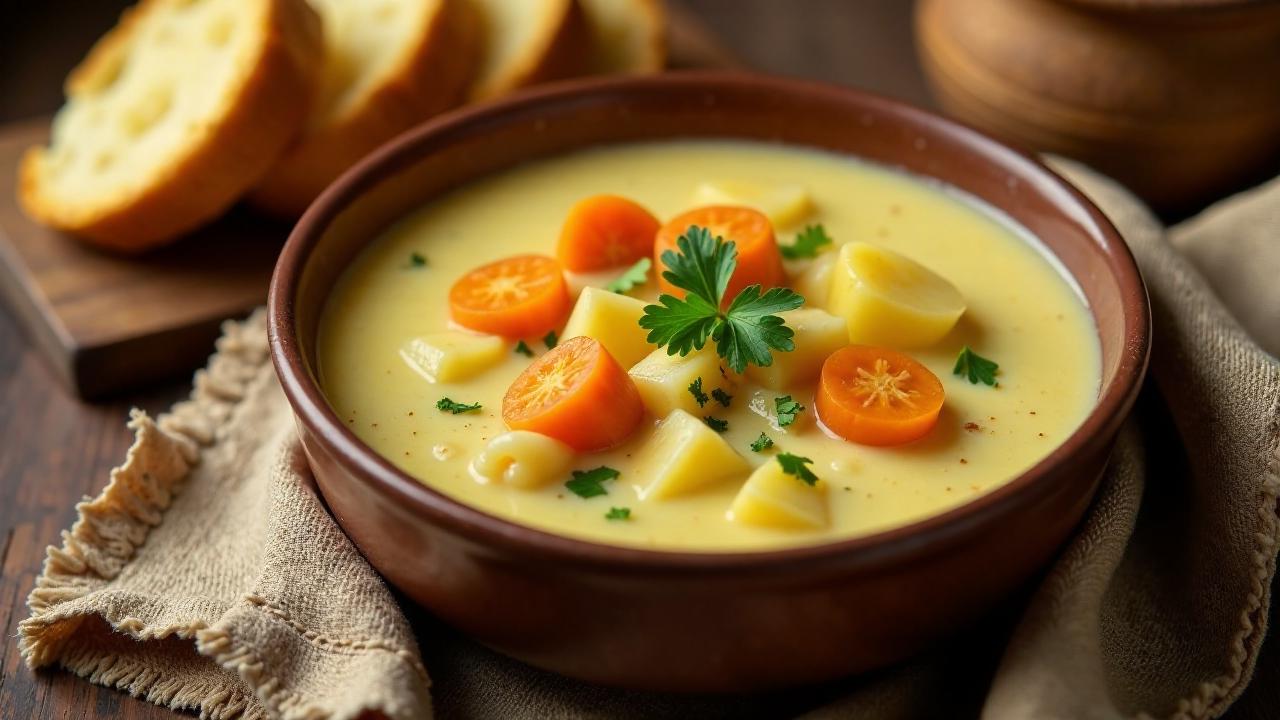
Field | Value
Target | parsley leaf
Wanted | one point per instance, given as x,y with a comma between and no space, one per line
744,333
787,409
637,274
762,443
550,339
715,423
798,466
809,242
417,260
523,348
977,368
695,389
457,408
618,513
589,483
722,397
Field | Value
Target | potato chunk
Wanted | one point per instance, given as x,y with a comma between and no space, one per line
784,205
813,281
452,356
612,319
891,300
684,455
772,498
523,459
663,380
817,335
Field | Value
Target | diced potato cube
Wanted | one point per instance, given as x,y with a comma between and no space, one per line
684,455
784,205
523,459
891,300
663,380
772,498
612,319
817,335
452,356
814,280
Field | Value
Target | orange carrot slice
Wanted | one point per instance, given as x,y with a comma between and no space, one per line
605,231
759,262
522,296
876,396
577,394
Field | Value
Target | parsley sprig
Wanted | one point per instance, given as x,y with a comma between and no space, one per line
762,443
809,242
787,409
446,405
695,389
745,333
975,367
590,483
799,467
637,274
618,513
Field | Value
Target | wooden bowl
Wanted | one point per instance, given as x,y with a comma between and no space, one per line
1178,99
701,621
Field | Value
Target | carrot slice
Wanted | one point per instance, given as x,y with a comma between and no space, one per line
521,296
605,231
876,396
577,394
759,262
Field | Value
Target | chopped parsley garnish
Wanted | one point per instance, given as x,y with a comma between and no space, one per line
457,408
798,466
523,348
975,367
637,274
618,513
762,443
808,243
745,333
715,423
787,409
589,483
417,260
550,339
695,389
722,397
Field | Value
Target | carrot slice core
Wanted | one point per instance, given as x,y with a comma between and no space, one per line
876,396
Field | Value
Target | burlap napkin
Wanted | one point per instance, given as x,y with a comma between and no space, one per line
208,576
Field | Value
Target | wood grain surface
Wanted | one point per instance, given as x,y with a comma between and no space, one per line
55,449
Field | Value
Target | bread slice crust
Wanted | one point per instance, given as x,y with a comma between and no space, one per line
222,159
629,36
431,76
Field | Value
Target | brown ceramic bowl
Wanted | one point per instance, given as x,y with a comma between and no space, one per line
701,621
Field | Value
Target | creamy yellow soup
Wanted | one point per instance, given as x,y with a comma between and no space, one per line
1021,311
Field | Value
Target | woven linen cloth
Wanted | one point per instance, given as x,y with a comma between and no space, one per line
208,575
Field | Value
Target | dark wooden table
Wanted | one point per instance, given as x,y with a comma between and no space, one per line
55,449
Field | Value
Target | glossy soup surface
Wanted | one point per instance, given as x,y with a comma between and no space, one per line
1021,311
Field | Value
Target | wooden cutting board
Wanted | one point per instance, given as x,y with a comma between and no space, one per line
107,323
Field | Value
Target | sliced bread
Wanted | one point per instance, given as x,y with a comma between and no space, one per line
628,36
389,64
530,41
172,116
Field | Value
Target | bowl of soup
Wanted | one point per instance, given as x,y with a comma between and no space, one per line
706,382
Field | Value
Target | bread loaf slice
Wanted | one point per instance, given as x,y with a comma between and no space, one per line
389,64
628,36
172,116
530,41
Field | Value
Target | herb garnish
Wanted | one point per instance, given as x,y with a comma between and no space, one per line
637,274
695,389
722,397
457,408
762,443
715,423
523,348
787,409
417,260
618,513
589,483
977,368
744,333
550,339
808,243
798,466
